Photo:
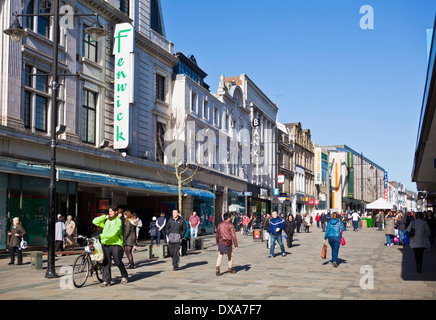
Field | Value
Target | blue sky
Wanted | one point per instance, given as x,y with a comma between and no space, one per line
362,88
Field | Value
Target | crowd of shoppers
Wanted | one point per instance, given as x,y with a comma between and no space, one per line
120,230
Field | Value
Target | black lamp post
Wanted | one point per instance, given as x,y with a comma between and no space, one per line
16,32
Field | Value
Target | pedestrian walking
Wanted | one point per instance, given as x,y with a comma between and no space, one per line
380,220
275,230
323,220
60,233
138,229
194,222
266,228
306,223
333,235
420,239
355,218
225,240
14,239
129,237
389,229
317,219
431,225
290,226
111,239
245,223
153,230
400,222
186,239
298,220
161,228
175,229
70,230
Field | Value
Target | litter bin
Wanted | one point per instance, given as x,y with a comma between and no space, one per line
36,260
257,235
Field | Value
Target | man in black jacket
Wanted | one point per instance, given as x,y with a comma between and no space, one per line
175,229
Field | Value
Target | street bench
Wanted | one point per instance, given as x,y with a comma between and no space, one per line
160,250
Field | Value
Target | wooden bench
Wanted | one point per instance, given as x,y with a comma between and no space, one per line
66,252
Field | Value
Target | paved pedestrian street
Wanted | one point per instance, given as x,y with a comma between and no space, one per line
368,270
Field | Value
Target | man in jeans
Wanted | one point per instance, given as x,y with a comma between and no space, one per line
226,235
194,222
112,241
176,229
276,226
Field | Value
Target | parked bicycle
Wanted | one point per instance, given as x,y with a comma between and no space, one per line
88,262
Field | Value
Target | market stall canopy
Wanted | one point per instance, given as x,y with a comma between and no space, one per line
235,208
380,204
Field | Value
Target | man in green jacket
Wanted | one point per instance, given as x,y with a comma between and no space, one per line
112,241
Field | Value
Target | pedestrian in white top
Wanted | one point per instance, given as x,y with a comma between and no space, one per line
355,217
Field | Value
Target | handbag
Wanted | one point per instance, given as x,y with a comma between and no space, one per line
411,233
324,251
342,238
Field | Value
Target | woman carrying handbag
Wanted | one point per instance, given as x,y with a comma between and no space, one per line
333,234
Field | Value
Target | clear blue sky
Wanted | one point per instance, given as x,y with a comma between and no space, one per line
362,88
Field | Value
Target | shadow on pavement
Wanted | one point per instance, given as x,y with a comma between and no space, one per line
408,265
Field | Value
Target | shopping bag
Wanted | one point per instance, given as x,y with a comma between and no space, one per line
324,251
97,255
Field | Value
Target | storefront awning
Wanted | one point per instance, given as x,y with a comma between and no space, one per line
23,167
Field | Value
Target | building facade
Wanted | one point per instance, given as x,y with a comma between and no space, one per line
304,198
355,179
91,174
286,170
262,176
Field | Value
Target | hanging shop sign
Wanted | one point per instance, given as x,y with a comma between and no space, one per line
124,46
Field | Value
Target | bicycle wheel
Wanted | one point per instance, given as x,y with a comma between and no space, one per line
80,270
98,268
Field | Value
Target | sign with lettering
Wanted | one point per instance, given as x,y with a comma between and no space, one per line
386,189
318,166
124,46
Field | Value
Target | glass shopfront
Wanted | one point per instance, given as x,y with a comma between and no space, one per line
204,209
28,200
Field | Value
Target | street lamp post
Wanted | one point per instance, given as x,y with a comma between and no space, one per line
16,32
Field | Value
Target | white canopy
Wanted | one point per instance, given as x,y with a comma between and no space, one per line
381,204
235,208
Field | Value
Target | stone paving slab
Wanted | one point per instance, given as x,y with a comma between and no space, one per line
302,274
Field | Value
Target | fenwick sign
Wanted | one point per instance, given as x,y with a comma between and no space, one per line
124,46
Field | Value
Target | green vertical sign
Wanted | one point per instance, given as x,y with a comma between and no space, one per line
350,175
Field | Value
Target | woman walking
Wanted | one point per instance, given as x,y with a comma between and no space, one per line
389,229
420,239
306,222
401,227
333,235
129,237
290,226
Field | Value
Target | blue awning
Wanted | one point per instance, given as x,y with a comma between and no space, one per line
23,167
